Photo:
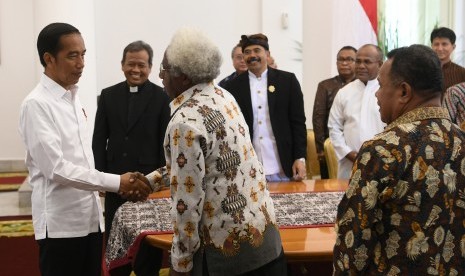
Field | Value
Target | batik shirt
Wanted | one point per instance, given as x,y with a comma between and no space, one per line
453,74
221,206
454,101
404,210
325,94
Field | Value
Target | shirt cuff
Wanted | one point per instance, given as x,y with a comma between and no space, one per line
158,179
112,182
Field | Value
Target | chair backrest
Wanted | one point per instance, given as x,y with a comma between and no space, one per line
331,159
313,166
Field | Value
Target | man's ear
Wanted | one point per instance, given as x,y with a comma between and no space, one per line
48,58
405,92
185,80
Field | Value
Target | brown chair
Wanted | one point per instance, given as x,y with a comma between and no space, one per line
331,159
313,166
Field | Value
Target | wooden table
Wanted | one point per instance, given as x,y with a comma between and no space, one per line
300,244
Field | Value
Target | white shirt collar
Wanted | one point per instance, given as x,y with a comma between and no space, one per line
252,75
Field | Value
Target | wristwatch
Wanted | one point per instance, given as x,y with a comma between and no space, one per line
302,160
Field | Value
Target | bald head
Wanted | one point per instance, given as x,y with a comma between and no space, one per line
368,61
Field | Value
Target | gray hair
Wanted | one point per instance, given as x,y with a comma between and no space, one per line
193,54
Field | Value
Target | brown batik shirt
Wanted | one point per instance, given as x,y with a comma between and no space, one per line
404,210
453,74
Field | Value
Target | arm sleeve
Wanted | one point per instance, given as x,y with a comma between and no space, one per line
336,128
165,116
187,174
360,210
43,141
320,116
297,120
100,136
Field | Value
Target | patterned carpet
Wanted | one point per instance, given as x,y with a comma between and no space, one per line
11,181
16,228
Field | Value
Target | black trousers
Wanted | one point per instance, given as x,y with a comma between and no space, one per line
323,169
71,256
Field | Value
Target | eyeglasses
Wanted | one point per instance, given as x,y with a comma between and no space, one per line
162,69
348,60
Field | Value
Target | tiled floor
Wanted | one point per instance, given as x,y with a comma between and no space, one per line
9,205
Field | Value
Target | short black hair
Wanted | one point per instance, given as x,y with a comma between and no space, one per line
443,32
419,66
137,46
48,40
347,47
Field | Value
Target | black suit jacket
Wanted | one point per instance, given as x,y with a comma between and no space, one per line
121,147
287,115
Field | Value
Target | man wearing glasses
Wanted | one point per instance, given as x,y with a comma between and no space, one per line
354,116
325,93
238,64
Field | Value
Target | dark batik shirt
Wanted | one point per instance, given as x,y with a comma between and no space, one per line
454,101
324,98
453,74
404,210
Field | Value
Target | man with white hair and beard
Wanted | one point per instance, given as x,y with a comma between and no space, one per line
222,213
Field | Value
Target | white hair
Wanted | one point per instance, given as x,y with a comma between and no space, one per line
193,54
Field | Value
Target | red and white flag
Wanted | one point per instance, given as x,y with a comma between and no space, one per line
355,23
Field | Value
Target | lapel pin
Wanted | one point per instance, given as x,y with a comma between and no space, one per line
271,88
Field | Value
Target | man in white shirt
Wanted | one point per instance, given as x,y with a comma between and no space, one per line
273,107
66,209
354,116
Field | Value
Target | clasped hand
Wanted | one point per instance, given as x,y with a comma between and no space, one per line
134,187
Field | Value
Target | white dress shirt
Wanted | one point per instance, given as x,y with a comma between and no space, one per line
264,141
65,185
354,118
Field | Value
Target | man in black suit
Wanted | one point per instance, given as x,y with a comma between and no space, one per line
129,131
273,107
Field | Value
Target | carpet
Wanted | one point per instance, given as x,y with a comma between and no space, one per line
16,228
11,181
133,221
19,252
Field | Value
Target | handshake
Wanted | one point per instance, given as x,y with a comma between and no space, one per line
134,187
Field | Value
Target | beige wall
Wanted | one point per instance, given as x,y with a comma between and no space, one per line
151,20
17,70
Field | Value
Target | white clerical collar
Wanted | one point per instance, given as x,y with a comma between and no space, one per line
133,89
